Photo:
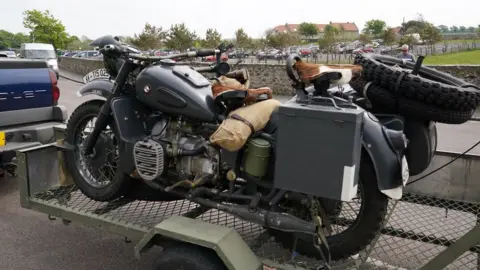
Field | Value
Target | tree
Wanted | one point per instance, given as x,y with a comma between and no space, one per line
279,40
180,38
454,28
462,29
45,28
364,38
431,34
212,38
443,28
408,39
413,26
330,34
471,29
389,36
241,38
11,40
150,38
375,27
309,30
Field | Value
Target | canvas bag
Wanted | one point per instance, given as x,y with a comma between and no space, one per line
234,131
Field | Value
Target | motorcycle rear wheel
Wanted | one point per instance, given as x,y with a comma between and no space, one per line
359,234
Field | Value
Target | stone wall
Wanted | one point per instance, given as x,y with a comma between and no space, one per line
271,75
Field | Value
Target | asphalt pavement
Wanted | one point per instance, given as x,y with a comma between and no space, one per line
30,241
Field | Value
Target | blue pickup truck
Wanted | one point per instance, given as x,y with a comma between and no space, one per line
28,107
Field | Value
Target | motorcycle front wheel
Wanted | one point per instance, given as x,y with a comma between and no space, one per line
358,232
97,176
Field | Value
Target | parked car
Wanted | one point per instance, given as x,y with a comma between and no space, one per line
40,51
213,58
8,54
86,54
305,52
237,54
363,50
70,54
28,107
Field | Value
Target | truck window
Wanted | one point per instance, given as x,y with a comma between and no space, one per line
40,54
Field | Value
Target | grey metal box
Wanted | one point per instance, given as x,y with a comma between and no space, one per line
318,150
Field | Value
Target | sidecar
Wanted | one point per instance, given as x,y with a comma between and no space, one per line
320,142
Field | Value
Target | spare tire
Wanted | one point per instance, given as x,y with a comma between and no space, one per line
431,87
383,101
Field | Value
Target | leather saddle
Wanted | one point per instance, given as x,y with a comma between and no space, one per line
308,72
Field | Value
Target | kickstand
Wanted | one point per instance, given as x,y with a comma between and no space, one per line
318,241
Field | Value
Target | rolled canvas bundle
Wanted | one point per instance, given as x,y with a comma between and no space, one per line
234,131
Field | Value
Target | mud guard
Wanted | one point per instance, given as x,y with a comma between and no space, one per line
101,87
385,161
129,116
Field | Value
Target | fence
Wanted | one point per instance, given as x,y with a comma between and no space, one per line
347,58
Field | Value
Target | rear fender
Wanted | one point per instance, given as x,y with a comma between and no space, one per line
386,162
101,87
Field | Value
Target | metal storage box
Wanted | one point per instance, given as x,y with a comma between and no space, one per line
318,149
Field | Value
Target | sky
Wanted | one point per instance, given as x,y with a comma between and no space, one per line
94,18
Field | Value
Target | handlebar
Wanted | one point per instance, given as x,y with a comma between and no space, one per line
137,56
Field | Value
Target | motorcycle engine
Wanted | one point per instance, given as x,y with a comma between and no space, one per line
174,153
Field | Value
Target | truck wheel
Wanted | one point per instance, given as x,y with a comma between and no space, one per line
181,256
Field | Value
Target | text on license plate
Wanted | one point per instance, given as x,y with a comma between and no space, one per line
99,73
3,140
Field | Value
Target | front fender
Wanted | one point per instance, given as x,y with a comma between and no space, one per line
102,88
385,160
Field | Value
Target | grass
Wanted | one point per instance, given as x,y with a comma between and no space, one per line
460,58
460,41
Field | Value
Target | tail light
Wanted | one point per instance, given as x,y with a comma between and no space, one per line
55,89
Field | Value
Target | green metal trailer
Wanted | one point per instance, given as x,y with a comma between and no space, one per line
210,239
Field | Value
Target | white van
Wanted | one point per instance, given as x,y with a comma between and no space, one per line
40,51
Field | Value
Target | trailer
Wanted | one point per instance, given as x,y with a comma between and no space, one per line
415,235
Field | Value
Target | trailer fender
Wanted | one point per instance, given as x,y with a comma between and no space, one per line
226,242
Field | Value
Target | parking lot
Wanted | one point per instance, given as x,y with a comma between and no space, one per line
31,241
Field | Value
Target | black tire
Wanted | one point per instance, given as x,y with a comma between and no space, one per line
181,256
121,182
430,87
363,230
383,101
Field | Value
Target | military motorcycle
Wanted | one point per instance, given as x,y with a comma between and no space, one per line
152,123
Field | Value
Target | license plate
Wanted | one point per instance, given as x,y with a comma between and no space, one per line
96,74
405,171
3,140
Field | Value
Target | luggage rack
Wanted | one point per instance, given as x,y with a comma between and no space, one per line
416,230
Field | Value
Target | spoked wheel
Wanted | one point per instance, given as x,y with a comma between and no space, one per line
354,224
97,175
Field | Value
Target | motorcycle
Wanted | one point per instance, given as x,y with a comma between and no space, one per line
153,123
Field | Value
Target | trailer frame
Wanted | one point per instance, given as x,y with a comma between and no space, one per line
226,241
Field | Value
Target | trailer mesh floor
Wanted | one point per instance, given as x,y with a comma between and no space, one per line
418,229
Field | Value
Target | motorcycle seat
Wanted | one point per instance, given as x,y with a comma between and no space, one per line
227,94
235,98
335,74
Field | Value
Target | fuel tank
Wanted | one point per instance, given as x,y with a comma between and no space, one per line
176,90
